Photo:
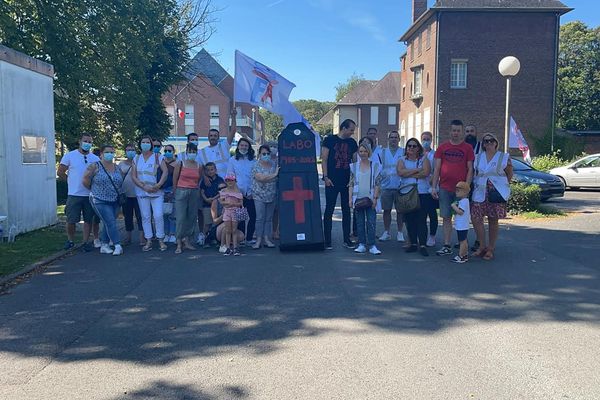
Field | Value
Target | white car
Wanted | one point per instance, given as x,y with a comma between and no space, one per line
584,172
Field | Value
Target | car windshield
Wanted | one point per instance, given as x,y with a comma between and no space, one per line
520,165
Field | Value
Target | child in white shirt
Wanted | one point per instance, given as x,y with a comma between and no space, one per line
462,219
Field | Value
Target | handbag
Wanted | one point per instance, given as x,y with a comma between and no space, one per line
241,214
363,203
408,202
121,197
494,196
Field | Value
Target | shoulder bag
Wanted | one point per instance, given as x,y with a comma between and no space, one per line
121,197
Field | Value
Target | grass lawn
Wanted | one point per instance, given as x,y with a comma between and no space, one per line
543,212
29,248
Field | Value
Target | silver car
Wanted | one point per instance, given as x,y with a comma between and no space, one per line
584,172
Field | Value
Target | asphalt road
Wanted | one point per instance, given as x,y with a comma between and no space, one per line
582,200
324,325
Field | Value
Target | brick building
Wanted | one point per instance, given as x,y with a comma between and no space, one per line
206,97
370,104
450,68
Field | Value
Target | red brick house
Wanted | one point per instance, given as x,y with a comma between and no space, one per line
371,104
450,68
206,97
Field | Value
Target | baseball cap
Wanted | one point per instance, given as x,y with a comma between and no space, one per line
463,185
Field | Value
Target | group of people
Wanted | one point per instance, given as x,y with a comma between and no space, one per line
231,200
464,177
228,198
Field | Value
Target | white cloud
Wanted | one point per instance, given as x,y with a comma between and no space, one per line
273,4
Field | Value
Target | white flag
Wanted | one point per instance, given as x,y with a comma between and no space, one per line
517,140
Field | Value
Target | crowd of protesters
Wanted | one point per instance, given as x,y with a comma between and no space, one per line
205,197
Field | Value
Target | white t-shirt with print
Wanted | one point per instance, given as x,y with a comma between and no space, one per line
461,222
219,154
76,165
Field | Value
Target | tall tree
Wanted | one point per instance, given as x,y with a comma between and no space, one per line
578,94
343,88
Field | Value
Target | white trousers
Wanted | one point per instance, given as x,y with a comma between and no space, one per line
152,207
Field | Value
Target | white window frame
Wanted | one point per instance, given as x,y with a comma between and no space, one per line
417,72
214,111
189,119
392,115
374,115
458,74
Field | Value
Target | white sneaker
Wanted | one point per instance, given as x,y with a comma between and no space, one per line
360,249
200,239
97,243
374,250
385,236
105,249
400,237
172,239
222,249
118,250
431,241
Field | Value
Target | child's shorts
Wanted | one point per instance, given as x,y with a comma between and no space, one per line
462,235
229,215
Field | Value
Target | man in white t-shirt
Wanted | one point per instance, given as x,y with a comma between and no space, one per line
217,150
72,168
390,184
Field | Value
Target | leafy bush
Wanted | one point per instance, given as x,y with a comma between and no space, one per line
548,161
567,145
524,198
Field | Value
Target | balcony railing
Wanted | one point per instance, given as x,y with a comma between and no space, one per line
243,121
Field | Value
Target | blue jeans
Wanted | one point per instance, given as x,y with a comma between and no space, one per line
366,217
107,211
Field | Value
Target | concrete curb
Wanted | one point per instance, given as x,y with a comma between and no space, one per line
32,267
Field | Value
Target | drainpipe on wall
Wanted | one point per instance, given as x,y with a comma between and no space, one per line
436,100
556,44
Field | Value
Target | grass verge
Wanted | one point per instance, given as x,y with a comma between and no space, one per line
543,212
29,248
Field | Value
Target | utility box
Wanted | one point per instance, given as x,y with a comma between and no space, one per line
300,221
27,155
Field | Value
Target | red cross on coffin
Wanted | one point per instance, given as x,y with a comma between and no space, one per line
298,195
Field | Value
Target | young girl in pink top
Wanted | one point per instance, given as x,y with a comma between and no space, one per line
231,198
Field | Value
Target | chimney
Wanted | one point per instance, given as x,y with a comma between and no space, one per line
418,8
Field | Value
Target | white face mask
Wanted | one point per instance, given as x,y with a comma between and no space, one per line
243,152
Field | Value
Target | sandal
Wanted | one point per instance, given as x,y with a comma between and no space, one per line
162,246
480,252
489,255
178,250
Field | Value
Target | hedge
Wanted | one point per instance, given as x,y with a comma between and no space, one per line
524,198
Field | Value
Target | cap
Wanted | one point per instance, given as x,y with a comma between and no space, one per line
463,185
230,177
490,135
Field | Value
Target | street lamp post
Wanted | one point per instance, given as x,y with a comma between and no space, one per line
253,124
508,67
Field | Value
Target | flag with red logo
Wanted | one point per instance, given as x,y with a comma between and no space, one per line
517,140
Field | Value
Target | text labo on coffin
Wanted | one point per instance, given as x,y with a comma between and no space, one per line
299,202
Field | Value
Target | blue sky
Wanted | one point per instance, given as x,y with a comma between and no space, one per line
318,43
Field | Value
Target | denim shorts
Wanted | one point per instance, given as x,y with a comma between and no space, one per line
446,200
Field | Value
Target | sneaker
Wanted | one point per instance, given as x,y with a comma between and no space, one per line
328,246
118,250
460,260
148,245
423,251
360,249
69,245
400,237
97,243
374,250
222,249
444,251
476,246
201,238
385,236
236,252
349,244
171,239
88,246
105,249
431,241
228,252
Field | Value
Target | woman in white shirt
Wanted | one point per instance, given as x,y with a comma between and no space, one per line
493,172
241,165
148,190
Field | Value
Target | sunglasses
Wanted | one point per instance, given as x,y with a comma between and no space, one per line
412,146
265,154
488,141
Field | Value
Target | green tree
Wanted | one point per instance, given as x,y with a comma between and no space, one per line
343,88
578,92
113,60
273,124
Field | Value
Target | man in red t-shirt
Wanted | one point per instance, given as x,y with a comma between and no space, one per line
453,163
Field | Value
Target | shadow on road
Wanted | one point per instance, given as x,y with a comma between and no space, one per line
159,308
164,390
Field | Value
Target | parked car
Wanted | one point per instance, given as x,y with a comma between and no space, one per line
551,185
584,172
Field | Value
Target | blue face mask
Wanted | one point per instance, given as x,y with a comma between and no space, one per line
130,154
194,142
156,149
109,157
265,157
146,146
191,156
86,146
168,154
426,144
